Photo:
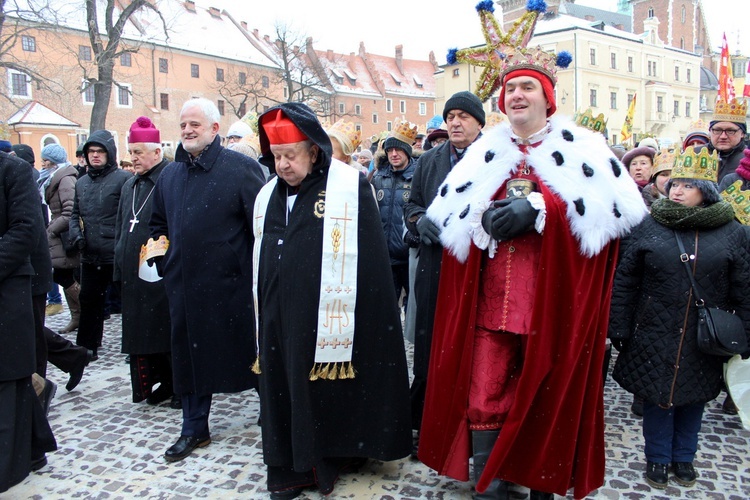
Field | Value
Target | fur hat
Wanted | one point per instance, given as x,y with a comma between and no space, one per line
465,101
54,153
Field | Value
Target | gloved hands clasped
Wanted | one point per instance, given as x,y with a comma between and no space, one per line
509,218
429,233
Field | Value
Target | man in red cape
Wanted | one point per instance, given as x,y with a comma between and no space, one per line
529,221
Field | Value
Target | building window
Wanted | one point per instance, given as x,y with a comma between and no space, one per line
19,83
592,57
682,43
241,109
422,108
687,75
358,127
220,105
28,43
613,100
123,96
687,109
374,118
342,108
630,99
676,74
357,109
592,97
389,105
219,75
456,72
242,78
402,106
650,12
265,83
84,52
389,126
493,104
88,93
195,71
164,101
613,60
630,64
683,15
286,93
125,59
677,108
163,65
652,68
660,104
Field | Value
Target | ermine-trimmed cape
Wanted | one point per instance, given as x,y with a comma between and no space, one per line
553,438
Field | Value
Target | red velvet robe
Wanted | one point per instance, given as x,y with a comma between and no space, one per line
553,438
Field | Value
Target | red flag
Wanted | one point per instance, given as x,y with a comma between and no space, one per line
746,90
726,82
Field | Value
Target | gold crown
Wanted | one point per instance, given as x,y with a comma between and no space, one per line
691,165
404,131
534,59
664,160
732,111
347,134
697,127
740,201
251,119
154,248
589,121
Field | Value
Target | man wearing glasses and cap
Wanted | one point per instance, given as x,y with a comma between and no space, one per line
727,132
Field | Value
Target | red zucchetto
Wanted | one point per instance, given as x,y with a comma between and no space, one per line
280,129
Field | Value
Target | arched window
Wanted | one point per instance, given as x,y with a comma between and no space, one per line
47,140
684,14
650,12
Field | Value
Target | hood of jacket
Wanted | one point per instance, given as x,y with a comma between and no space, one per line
104,139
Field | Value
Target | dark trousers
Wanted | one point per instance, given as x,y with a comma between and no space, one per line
671,435
195,410
39,303
94,282
64,277
63,353
401,281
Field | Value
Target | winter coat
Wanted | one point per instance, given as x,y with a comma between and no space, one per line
650,296
20,228
392,189
728,160
730,179
60,196
204,206
92,222
145,310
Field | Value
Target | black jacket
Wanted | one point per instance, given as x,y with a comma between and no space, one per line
392,190
728,160
92,223
648,309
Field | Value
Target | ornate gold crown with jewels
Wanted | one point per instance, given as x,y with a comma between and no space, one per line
404,131
691,165
740,201
664,160
346,132
732,111
591,122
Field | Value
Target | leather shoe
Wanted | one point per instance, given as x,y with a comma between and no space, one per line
287,494
185,446
50,388
176,402
161,394
38,463
656,475
684,473
77,374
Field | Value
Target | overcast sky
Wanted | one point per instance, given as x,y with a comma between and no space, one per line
420,27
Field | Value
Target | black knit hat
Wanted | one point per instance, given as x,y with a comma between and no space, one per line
465,101
392,142
24,152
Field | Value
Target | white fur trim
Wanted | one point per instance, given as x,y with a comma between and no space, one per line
537,201
611,204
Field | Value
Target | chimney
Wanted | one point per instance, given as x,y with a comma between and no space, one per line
590,18
189,5
352,59
620,27
400,58
362,50
244,25
214,12
267,38
329,55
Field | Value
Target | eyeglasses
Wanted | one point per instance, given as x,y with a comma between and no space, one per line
729,131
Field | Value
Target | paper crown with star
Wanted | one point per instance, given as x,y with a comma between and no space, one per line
732,111
664,160
594,123
404,131
701,166
347,134
740,201
505,52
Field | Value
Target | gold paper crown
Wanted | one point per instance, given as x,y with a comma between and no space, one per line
534,59
589,121
732,111
740,201
347,134
664,160
493,56
691,165
251,119
404,131
697,127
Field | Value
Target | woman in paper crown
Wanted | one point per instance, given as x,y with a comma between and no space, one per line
332,369
653,320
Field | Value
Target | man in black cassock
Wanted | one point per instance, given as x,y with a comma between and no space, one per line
323,417
145,311
203,204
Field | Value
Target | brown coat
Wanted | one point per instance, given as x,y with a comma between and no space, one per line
59,196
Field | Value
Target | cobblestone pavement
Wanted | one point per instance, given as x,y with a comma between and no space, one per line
111,448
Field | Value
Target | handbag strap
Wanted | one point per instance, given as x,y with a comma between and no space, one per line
685,258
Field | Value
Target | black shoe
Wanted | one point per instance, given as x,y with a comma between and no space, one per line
684,473
38,463
94,355
729,408
287,494
656,475
540,495
107,317
50,388
637,406
127,359
77,374
185,446
160,395
176,402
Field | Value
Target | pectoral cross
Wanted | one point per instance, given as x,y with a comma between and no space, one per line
133,222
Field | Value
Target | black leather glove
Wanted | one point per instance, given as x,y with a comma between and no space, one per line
429,233
509,218
158,262
411,239
619,344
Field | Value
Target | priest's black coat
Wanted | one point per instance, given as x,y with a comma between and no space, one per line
205,208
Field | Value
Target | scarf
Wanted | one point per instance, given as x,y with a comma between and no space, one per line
96,172
677,216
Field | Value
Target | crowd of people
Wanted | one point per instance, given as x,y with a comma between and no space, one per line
293,260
